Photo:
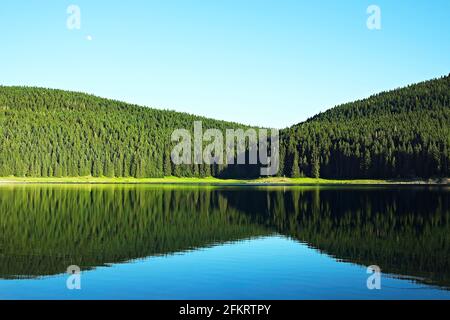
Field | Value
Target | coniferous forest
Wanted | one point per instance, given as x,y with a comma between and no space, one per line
404,133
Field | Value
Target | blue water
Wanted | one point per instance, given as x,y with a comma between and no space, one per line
270,267
192,242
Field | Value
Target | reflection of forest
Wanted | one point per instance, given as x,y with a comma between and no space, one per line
45,229
405,231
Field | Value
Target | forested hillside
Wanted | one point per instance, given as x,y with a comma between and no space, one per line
47,132
402,133
398,134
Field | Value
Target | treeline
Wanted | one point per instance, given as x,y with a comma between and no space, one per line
403,133
54,133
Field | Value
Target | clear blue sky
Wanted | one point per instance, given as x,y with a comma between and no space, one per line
270,63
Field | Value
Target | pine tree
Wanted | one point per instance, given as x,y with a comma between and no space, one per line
295,171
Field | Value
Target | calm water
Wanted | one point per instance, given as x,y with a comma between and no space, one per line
161,242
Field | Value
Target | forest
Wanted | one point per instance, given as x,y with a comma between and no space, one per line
403,133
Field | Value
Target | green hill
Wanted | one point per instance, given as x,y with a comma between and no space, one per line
397,134
45,132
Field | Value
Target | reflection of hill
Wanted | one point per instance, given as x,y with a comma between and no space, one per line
43,230
404,231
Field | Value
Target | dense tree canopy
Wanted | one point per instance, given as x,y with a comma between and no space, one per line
402,133
45,132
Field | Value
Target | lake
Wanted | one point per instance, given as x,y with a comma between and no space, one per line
227,242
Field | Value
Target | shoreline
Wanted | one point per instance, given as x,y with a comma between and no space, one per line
274,181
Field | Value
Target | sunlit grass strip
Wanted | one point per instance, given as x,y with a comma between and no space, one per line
207,181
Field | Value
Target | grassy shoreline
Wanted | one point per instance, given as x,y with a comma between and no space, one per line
215,181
